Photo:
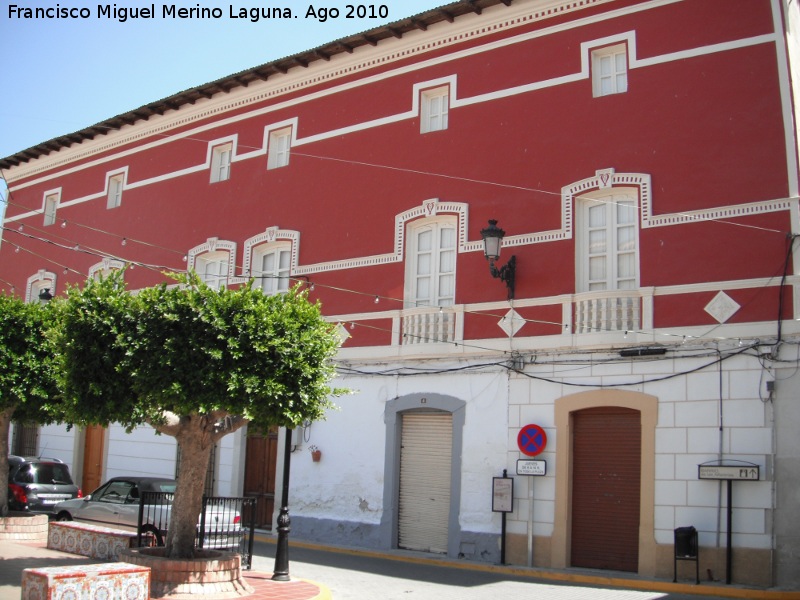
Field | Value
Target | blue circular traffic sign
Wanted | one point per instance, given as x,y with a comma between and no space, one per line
531,440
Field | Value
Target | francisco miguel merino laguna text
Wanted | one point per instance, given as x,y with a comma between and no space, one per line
171,11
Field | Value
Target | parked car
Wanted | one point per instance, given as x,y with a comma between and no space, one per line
117,504
36,485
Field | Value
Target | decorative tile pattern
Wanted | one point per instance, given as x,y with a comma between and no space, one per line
89,540
109,581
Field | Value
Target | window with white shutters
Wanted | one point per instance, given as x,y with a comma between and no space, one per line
610,70
608,233
50,209
271,267
280,142
433,261
435,106
115,184
221,163
213,269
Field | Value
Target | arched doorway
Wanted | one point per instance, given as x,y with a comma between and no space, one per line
582,421
422,482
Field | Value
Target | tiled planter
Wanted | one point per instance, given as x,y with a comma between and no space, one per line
89,540
210,573
120,581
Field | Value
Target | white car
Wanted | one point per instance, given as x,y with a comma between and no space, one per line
117,504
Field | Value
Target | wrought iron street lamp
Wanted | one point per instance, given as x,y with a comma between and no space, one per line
492,242
281,570
45,296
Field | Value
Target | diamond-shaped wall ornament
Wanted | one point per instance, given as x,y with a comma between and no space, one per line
511,323
342,332
722,307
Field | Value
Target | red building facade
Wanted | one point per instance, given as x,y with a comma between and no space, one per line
641,158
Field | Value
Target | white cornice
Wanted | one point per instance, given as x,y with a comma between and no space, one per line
413,44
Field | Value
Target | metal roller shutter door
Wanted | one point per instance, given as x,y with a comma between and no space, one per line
425,459
606,474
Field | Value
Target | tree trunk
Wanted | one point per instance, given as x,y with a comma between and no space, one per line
194,440
5,427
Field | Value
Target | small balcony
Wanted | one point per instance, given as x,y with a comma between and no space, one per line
597,312
428,325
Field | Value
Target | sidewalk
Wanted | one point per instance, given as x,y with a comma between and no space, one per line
17,556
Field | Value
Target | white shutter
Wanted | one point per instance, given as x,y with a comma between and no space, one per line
425,459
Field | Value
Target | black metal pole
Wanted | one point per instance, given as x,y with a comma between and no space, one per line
281,570
503,531
730,534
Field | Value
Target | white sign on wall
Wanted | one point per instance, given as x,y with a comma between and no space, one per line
738,472
531,467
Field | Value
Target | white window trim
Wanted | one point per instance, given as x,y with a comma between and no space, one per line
216,247
36,283
50,204
278,156
434,121
597,55
269,236
221,160
105,267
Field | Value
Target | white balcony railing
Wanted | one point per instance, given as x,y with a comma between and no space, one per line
608,311
428,325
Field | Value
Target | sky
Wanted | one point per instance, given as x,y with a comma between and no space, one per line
60,75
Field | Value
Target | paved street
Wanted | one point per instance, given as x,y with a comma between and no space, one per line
365,576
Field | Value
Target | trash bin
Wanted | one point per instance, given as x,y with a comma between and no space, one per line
686,542
686,549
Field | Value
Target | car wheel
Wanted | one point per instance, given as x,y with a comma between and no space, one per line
151,536
64,516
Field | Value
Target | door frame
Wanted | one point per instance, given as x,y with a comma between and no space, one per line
647,406
391,482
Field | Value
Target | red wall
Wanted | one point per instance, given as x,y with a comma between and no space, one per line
707,129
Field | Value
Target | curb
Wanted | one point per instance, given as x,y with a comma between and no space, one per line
651,585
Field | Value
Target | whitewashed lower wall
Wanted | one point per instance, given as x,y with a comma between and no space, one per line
691,408
704,414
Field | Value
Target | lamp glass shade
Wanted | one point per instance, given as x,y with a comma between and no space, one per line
492,240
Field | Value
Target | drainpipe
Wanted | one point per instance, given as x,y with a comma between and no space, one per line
719,452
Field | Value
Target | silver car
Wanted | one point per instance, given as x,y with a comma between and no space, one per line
117,504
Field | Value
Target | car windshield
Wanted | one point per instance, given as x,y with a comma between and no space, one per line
48,473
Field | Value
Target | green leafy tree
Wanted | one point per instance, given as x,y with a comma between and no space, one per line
28,388
196,364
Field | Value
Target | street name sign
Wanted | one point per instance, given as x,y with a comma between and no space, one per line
531,467
731,473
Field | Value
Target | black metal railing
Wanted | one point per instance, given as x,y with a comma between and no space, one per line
225,523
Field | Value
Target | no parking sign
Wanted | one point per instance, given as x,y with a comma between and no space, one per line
531,440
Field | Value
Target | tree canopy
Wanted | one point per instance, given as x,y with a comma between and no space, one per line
28,388
195,363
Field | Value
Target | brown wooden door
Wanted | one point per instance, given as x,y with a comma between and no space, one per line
259,475
94,437
606,473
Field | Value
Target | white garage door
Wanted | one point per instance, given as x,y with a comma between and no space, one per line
425,459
